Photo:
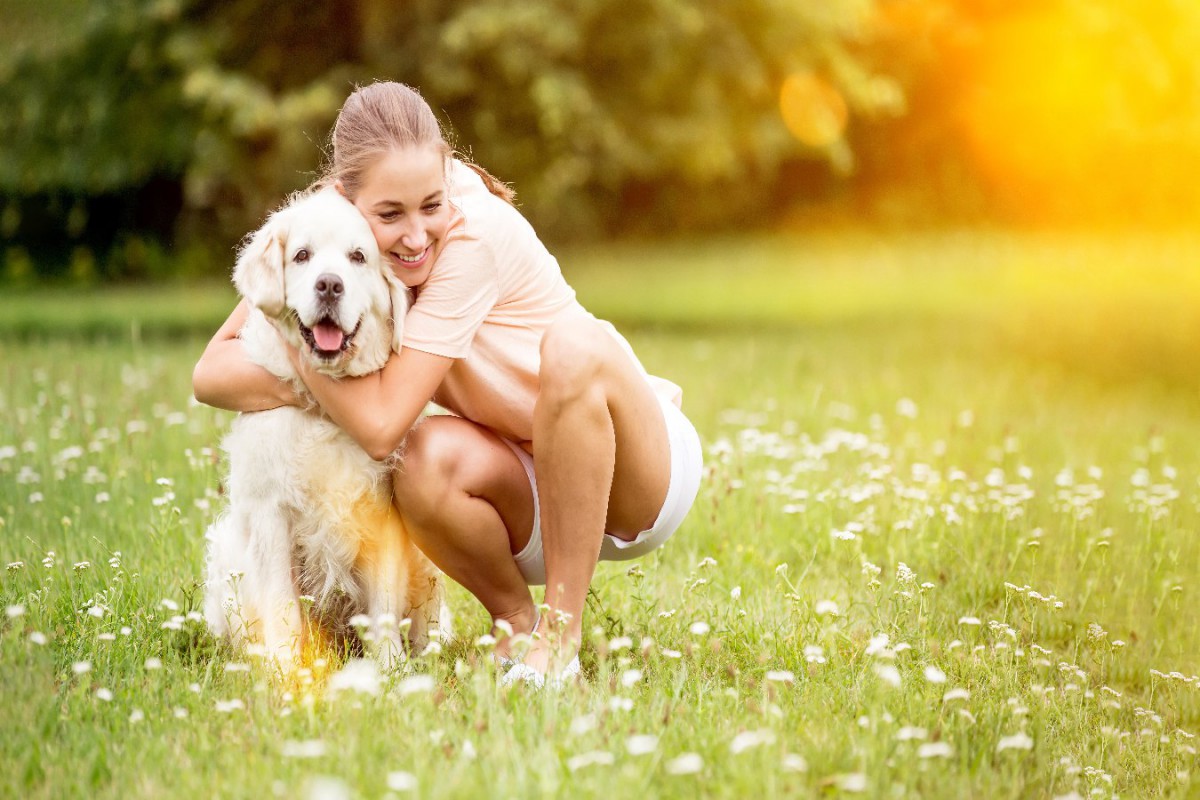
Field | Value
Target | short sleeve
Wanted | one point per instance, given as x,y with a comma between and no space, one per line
460,292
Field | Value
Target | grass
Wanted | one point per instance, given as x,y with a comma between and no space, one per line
942,437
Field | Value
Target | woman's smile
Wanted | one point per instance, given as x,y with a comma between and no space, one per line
405,261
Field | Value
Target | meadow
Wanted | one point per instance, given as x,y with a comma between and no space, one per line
945,546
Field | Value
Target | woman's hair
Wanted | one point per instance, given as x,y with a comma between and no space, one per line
382,117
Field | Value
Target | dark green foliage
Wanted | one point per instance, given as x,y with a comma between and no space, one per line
181,123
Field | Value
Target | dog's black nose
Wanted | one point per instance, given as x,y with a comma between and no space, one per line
329,286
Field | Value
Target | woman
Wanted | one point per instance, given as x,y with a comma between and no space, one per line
561,450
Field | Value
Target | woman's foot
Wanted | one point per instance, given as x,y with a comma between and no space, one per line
513,636
546,656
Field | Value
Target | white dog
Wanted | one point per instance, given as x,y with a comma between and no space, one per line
310,514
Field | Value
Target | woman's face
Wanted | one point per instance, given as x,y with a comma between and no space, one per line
403,197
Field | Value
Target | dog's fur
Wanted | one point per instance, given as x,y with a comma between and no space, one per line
309,512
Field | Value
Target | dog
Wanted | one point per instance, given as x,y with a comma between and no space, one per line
310,537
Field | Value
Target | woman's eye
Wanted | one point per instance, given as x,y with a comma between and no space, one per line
301,256
388,216
358,257
432,208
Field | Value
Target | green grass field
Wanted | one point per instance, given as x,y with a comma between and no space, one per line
945,547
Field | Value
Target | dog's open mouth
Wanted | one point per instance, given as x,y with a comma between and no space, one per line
326,337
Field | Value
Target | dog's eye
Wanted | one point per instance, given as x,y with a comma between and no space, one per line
358,257
301,256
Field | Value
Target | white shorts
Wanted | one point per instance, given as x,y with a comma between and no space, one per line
687,464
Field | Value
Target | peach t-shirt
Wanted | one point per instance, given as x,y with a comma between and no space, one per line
492,293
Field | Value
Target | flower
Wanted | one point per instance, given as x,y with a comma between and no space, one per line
1018,741
699,628
630,676
400,781
686,764
934,675
104,694
793,763
641,744
582,724
781,676
80,667
824,607
588,759
416,683
748,739
306,748
852,782
888,674
955,694
358,675
935,750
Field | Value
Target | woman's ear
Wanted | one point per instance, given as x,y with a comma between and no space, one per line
341,188
258,274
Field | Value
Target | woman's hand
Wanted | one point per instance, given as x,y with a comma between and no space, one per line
377,410
225,378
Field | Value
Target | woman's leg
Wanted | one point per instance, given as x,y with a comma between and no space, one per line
603,463
466,501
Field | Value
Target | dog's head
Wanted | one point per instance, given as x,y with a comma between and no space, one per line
314,270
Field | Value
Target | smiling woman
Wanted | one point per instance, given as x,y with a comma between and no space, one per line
560,450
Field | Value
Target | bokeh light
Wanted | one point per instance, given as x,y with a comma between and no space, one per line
813,110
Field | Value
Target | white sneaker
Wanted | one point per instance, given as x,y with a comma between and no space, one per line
523,673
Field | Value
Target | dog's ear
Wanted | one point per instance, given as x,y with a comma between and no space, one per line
401,300
258,274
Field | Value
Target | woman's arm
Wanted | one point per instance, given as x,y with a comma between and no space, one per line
224,377
377,410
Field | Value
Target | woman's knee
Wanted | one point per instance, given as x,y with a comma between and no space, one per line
575,356
431,461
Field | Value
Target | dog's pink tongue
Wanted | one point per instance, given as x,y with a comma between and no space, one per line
328,336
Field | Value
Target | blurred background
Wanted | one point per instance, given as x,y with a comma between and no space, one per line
140,139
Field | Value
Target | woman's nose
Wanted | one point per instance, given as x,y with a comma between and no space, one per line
415,238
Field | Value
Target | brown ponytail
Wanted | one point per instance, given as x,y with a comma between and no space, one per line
382,117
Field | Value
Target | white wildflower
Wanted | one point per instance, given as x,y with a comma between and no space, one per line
304,748
594,757
686,764
792,762
888,674
400,781
359,675
934,675
416,683
935,750
852,782
583,724
824,607
748,739
642,744
1018,741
